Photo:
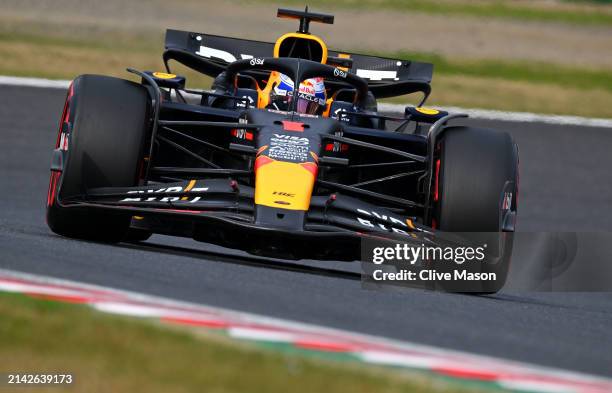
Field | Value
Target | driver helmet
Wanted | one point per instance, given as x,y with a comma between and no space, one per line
311,95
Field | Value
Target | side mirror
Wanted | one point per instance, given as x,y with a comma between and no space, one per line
423,115
171,81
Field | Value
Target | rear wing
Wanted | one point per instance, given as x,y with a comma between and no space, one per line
210,54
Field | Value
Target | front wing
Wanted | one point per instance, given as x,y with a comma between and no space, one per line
220,211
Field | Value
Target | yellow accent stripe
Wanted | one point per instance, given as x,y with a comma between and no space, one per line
328,104
306,37
410,224
344,56
190,185
263,96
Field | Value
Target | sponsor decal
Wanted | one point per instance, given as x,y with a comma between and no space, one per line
283,193
249,102
289,148
507,201
190,188
209,52
242,134
374,221
340,115
376,75
163,199
370,224
168,190
338,72
63,144
308,96
312,89
256,61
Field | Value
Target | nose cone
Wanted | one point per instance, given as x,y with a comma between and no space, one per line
286,166
284,185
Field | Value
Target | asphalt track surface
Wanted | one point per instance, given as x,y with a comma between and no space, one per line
565,185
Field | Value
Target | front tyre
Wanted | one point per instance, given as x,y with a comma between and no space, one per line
101,136
474,196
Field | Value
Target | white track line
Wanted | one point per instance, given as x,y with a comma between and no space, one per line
486,114
33,82
521,117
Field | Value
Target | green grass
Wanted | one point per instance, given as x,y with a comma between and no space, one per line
115,354
592,1
526,71
529,11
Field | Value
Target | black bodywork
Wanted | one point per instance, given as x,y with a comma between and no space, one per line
372,177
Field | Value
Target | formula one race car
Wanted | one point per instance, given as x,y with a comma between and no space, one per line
286,156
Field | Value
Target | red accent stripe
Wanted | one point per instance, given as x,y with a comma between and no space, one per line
52,187
65,114
518,180
437,175
261,161
466,373
197,322
182,211
54,178
61,298
293,126
310,167
324,346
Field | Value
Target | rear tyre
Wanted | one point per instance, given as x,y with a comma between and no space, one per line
102,131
